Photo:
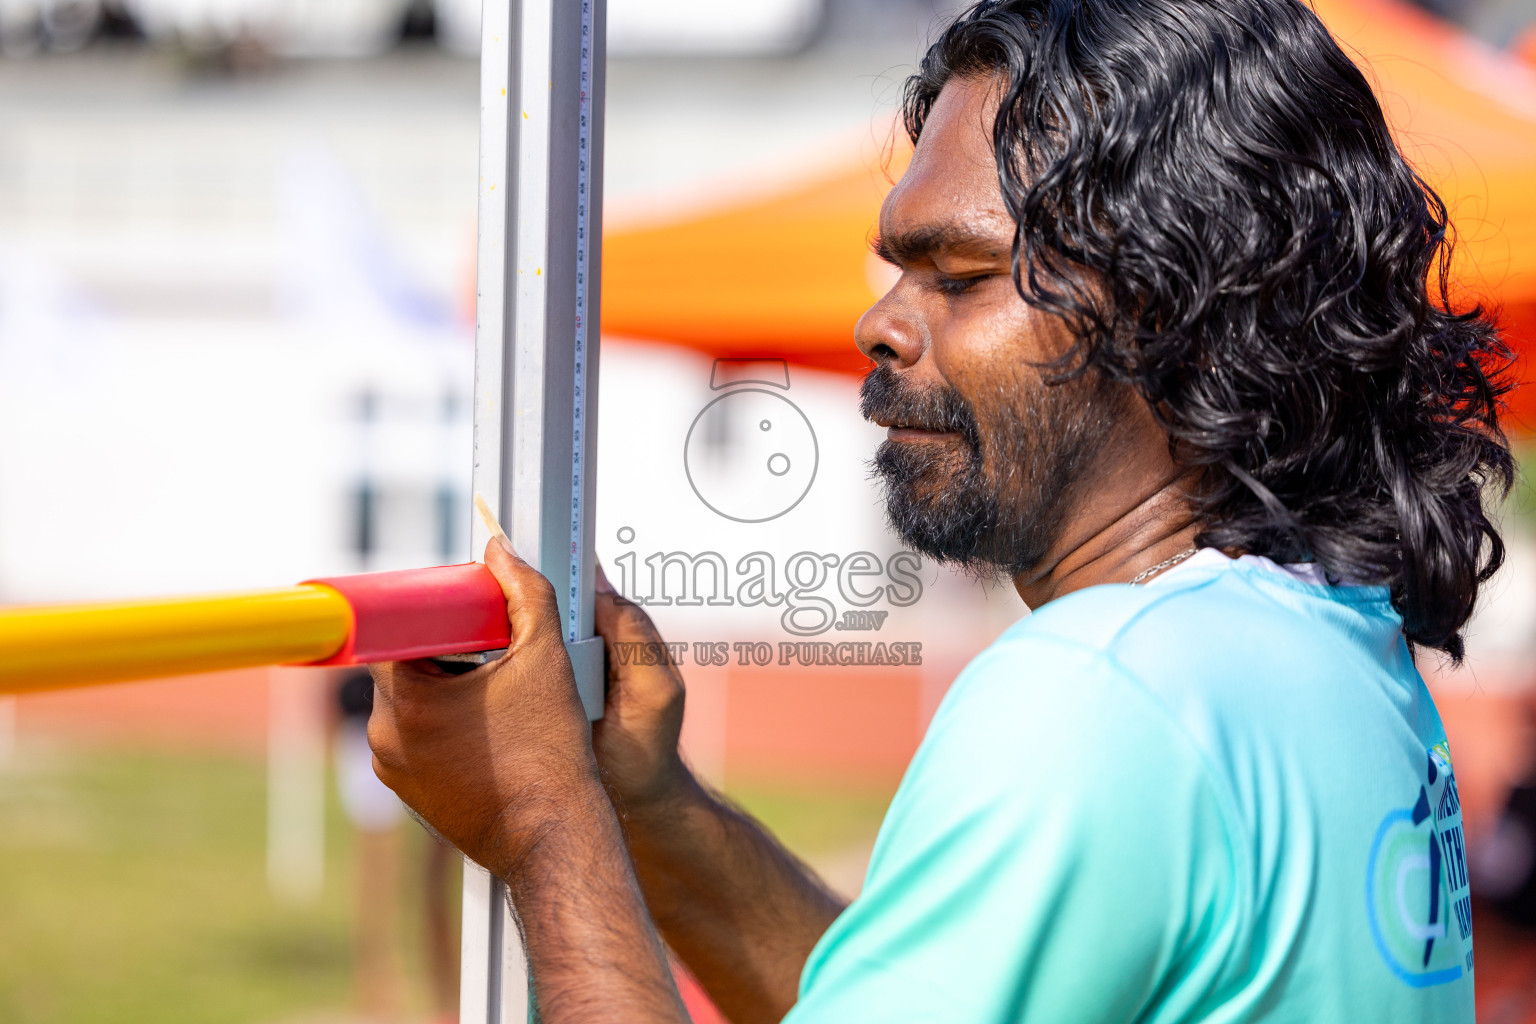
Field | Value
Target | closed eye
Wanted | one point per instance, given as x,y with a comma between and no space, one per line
883,252
959,285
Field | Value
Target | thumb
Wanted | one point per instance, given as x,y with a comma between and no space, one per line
619,619
532,610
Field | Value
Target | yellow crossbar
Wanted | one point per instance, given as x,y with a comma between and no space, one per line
45,647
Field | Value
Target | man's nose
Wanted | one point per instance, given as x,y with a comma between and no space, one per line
888,332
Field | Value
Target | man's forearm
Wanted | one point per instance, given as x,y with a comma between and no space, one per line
592,952
739,909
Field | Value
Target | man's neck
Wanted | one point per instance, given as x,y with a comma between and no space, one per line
1114,537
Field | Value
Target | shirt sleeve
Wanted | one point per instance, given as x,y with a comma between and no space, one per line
1056,854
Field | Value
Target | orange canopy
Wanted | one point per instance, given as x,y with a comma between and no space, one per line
789,275
1464,114
785,276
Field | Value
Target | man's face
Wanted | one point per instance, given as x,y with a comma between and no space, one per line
982,455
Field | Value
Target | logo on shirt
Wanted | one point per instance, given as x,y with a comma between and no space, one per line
1416,889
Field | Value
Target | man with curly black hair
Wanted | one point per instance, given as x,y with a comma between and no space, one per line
1171,348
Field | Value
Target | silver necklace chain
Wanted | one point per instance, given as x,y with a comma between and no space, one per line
1167,563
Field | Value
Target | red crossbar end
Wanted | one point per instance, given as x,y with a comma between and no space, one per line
420,613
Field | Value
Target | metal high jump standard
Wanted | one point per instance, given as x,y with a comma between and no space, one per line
542,65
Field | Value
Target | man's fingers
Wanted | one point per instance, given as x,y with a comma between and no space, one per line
619,620
384,680
384,741
531,605
505,565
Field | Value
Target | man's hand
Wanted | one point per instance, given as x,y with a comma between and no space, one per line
636,739
499,760
737,907
490,758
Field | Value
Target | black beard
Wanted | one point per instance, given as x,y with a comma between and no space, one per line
993,516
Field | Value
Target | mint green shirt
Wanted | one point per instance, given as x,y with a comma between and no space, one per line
1226,797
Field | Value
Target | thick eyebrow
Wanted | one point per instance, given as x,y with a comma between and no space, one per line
916,244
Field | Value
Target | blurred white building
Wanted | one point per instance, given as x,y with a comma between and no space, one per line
341,28
63,25
356,28
672,26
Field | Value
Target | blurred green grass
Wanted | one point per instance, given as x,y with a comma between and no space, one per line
133,889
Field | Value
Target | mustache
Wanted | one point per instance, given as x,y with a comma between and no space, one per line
883,395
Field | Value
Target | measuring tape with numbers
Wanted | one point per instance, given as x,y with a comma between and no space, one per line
579,388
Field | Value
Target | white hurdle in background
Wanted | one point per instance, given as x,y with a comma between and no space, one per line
537,291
